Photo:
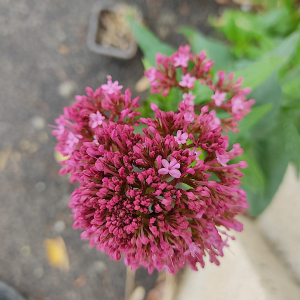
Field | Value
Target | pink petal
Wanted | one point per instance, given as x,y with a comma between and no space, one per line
173,163
165,163
175,173
163,171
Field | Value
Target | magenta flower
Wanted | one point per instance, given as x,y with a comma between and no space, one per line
126,203
181,60
170,168
188,98
219,97
195,152
215,122
130,199
163,78
79,122
96,119
181,138
222,157
238,104
111,87
187,81
189,117
151,74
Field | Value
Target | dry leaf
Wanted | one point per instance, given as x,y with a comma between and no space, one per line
142,85
64,50
138,293
4,155
80,281
57,255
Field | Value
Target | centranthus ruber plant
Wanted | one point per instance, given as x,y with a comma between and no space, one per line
168,196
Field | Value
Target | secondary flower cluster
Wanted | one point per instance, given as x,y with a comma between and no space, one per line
79,122
164,198
191,68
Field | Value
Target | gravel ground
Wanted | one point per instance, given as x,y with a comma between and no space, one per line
44,63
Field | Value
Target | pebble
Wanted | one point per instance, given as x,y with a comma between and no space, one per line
59,226
100,266
25,250
38,122
40,186
38,273
66,88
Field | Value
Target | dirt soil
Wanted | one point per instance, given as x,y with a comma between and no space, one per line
45,62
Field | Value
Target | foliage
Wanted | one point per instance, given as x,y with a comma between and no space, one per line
265,50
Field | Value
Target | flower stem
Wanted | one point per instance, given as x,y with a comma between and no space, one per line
129,285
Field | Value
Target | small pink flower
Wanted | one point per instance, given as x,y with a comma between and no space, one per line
96,119
181,60
181,137
170,168
187,81
111,87
219,97
189,117
237,104
188,98
72,140
60,129
215,122
193,250
151,74
222,157
195,152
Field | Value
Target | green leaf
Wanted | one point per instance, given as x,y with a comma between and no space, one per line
146,64
253,117
288,46
292,137
149,43
256,114
273,160
253,178
256,73
291,83
202,92
268,92
216,50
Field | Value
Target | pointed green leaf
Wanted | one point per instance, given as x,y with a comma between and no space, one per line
149,43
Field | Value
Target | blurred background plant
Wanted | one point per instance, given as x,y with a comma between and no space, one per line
263,47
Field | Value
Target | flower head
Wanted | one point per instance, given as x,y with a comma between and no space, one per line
130,199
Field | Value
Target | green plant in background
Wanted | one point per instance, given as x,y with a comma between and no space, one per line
265,50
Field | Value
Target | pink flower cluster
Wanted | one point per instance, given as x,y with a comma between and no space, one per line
79,122
227,94
164,198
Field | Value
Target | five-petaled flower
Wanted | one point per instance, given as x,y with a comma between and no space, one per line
181,138
111,87
219,97
195,152
181,60
170,168
187,81
188,98
96,119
